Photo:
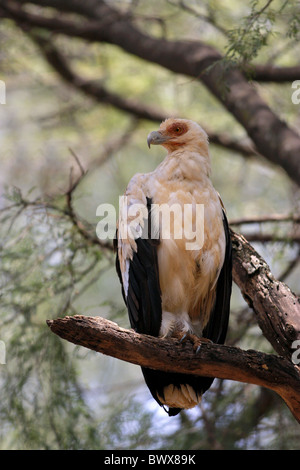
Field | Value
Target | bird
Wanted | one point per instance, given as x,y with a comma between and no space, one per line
175,282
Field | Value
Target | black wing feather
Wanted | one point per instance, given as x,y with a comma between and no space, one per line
143,298
216,329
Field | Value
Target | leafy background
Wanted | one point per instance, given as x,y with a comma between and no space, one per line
58,396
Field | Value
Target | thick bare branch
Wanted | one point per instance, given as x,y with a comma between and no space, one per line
273,73
277,309
225,362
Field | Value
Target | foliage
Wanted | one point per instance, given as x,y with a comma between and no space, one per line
245,42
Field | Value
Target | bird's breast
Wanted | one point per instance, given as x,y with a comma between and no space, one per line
191,249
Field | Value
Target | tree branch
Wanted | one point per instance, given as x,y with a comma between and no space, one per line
224,362
266,218
141,111
274,73
273,138
259,72
291,238
277,309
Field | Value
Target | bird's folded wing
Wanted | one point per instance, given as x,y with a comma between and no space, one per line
139,271
216,328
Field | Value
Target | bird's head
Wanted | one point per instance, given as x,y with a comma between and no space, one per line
175,133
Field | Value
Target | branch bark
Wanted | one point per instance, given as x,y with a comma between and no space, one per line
266,218
275,73
224,362
277,309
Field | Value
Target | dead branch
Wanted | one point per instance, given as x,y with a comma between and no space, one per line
277,309
266,218
291,238
225,362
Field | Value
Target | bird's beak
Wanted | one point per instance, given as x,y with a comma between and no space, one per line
156,138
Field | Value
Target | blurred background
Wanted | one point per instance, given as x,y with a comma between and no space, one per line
64,151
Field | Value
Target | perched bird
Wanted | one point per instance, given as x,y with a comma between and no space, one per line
174,284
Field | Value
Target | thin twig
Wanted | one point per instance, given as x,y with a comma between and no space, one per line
265,219
82,170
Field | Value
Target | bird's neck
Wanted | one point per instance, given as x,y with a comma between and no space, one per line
189,165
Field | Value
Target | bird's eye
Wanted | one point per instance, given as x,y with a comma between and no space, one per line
177,129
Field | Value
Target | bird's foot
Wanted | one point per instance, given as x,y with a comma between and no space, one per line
196,340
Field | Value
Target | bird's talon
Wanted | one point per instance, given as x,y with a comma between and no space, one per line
184,337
